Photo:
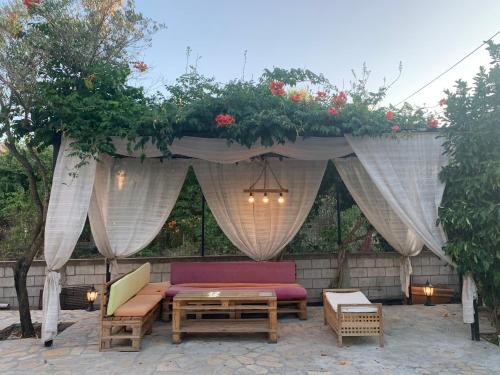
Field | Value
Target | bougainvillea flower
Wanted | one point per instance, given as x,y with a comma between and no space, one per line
276,88
395,128
295,97
29,3
389,115
442,102
141,66
332,111
340,100
223,120
432,123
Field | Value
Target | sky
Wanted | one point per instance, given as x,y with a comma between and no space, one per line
330,37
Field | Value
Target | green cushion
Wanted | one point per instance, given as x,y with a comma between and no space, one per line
127,287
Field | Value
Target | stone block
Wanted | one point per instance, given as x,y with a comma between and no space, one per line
37,270
358,272
314,294
165,276
425,260
384,262
386,281
420,279
2,271
314,273
334,263
75,280
366,281
100,269
445,270
302,264
30,281
10,292
40,281
8,272
7,281
439,280
417,270
365,262
1,292
320,263
94,279
328,273
158,267
33,291
321,283
375,272
416,261
435,261
306,283
70,270
352,262
299,274
377,292
155,278
453,279
392,271
430,270
87,269
393,292
353,282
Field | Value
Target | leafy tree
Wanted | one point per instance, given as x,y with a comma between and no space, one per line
63,69
471,207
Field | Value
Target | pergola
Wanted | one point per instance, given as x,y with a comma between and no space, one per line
260,197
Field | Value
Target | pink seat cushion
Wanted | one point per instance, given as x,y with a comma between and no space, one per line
232,272
284,292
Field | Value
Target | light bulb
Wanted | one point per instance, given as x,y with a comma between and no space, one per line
266,198
281,199
251,199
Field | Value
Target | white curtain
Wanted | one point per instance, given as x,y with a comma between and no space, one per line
221,151
381,215
260,230
130,203
405,171
67,211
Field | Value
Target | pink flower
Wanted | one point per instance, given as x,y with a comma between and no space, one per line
276,88
432,123
389,115
223,120
141,66
442,102
332,111
295,98
29,3
395,128
340,100
320,95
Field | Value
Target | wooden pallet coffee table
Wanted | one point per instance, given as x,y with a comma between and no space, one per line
230,302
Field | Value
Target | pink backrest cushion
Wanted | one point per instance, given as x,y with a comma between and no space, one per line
232,272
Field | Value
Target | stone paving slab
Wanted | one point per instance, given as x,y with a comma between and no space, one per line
419,340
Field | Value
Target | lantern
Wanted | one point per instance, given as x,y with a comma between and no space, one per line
428,291
91,297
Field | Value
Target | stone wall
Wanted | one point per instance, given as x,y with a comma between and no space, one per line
377,274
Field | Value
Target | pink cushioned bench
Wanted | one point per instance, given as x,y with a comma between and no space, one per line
277,276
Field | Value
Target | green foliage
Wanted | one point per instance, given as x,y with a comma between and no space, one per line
470,211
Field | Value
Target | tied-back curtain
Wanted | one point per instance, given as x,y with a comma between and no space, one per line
405,171
381,215
67,211
260,230
131,201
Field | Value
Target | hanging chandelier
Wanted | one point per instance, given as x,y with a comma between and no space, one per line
266,169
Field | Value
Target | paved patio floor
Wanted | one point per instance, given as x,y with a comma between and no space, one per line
419,340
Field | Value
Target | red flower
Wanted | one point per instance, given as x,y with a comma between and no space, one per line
320,95
141,66
340,100
276,88
432,123
389,115
295,98
223,120
29,3
332,111
442,102
395,128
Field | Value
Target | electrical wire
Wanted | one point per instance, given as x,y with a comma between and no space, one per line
447,70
